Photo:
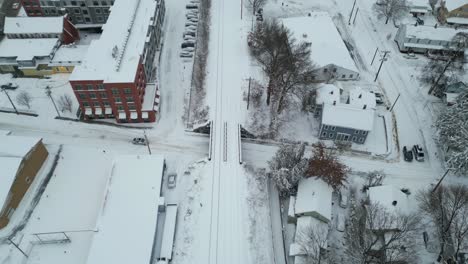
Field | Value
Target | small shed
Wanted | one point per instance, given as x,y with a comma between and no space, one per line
314,198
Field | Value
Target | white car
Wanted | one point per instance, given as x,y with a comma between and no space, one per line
340,222
171,180
418,153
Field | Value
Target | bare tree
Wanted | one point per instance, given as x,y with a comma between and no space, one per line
452,131
268,44
287,167
393,9
24,99
444,71
374,178
376,234
65,103
447,206
325,164
256,5
313,242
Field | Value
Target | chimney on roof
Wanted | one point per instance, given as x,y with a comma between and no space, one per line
304,35
334,102
360,96
364,107
331,92
394,203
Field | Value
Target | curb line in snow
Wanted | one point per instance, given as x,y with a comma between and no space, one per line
99,123
7,111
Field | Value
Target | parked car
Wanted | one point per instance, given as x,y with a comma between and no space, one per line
408,155
419,21
340,222
343,198
139,141
418,153
171,180
10,86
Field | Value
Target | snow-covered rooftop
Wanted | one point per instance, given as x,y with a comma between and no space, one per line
70,54
314,195
33,25
432,33
12,151
304,224
327,93
389,197
458,20
360,98
127,223
419,3
327,45
454,4
16,146
343,115
169,232
116,55
27,49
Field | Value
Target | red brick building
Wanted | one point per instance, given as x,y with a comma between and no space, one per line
117,77
32,7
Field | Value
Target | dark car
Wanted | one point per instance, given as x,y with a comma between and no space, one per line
408,155
419,21
139,141
9,86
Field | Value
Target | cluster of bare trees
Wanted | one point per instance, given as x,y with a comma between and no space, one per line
376,235
447,207
443,70
289,166
391,9
285,62
255,5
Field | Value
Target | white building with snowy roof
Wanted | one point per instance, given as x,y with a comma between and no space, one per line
326,94
345,122
422,39
126,228
314,198
453,12
361,98
328,50
305,225
419,7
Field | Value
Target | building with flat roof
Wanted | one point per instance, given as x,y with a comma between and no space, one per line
126,228
83,13
21,158
117,77
328,51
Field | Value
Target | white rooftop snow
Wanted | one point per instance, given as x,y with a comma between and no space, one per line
70,54
458,20
343,115
327,93
314,195
127,223
454,4
27,49
16,146
33,25
385,195
419,3
12,151
125,29
169,232
149,98
429,32
327,45
360,98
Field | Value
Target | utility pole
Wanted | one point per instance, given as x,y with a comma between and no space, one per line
242,8
49,93
440,181
17,247
248,94
355,15
147,142
398,97
384,58
11,101
373,58
351,14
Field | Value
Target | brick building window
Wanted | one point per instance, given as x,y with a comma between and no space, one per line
129,99
90,87
82,95
120,107
115,91
85,104
118,100
103,95
92,95
97,104
106,103
100,87
127,91
78,87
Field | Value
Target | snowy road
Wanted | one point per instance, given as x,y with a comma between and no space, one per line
227,60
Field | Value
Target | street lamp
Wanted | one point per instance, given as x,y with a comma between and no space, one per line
48,92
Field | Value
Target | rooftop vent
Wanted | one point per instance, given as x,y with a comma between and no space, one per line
304,35
394,203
